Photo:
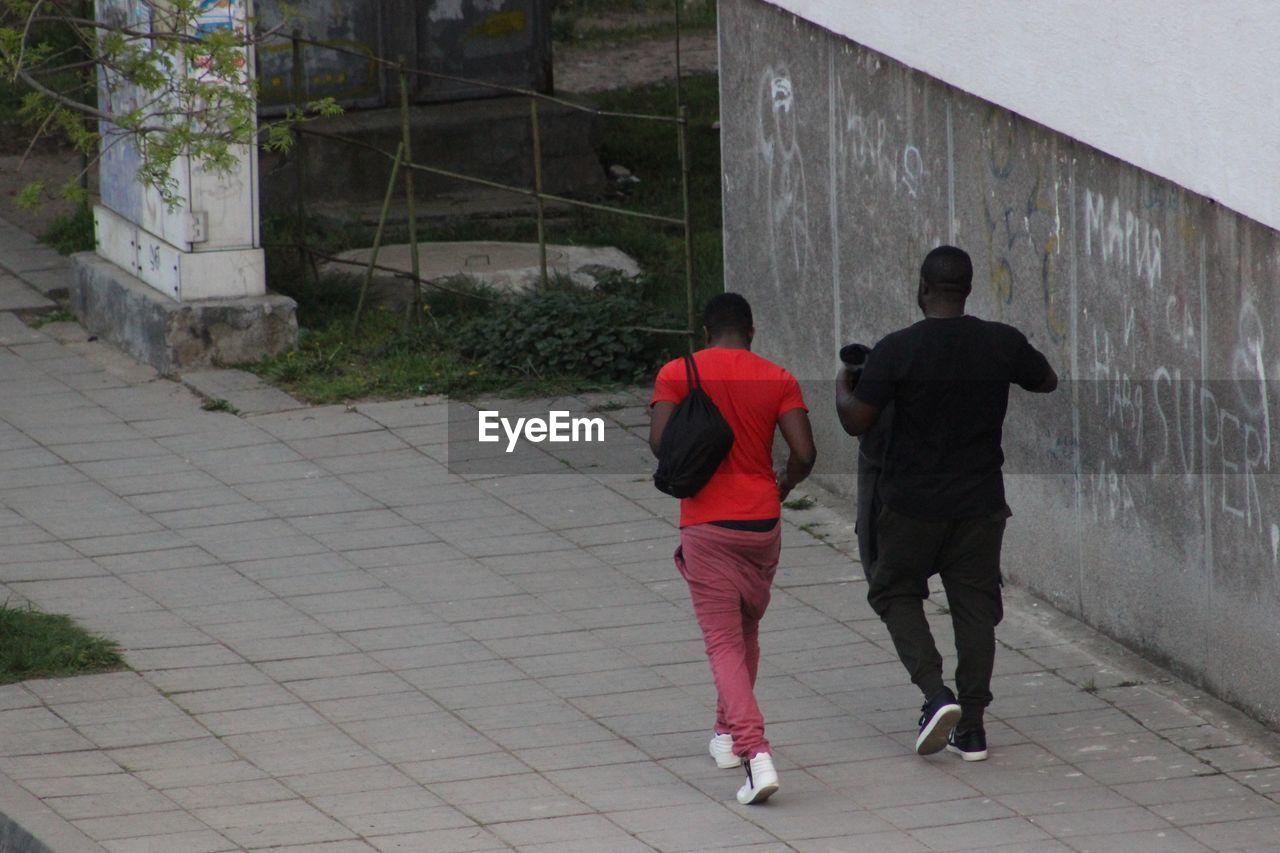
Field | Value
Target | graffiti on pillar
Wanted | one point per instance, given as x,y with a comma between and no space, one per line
120,161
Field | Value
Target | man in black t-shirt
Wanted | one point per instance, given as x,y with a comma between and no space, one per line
941,491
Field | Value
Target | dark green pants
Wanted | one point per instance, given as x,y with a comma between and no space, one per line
966,554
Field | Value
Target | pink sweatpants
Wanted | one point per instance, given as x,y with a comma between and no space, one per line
729,573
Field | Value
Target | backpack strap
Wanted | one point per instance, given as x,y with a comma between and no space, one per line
691,372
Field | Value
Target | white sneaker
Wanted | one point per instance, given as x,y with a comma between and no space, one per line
762,780
722,751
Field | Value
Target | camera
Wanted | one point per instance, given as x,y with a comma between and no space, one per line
854,356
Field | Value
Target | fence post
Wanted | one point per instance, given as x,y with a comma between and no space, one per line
377,238
681,124
678,4
537,191
406,147
300,154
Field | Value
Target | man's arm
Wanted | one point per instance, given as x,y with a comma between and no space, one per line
1032,370
659,415
1050,382
856,417
798,434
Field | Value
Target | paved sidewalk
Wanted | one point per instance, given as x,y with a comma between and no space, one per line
340,644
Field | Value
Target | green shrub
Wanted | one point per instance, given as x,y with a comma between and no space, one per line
567,332
71,232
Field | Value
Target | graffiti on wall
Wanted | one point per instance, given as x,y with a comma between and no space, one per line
1154,429
780,177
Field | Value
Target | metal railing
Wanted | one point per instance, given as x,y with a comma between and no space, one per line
402,159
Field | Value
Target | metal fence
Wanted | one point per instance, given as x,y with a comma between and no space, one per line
402,159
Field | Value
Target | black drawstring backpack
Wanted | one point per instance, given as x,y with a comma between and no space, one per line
694,443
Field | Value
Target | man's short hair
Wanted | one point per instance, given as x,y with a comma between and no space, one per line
948,269
727,312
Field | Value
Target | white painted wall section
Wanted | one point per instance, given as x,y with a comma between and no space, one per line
1185,89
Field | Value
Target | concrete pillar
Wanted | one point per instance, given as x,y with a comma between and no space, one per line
164,260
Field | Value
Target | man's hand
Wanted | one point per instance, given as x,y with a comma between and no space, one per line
659,416
848,377
798,435
856,417
784,487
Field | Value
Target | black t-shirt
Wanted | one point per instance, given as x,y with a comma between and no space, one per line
949,382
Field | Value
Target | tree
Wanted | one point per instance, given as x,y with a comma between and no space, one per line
167,77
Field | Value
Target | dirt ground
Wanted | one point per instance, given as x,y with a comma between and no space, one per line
579,70
599,68
53,169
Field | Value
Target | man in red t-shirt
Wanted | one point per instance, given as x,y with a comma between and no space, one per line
730,534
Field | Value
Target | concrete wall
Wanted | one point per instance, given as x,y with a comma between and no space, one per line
1143,491
1181,88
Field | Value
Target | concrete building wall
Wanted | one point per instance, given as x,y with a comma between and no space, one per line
1182,88
1144,491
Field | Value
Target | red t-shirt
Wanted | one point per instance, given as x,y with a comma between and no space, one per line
751,393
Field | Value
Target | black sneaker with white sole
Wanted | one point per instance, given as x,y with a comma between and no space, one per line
938,717
970,744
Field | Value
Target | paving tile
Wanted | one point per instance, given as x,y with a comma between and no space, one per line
1256,834
134,826
377,824
550,829
363,685
196,752
195,841
229,794
1063,801
57,765
699,826
1243,807
322,666
97,783
981,835
471,839
888,842
1100,822
487,765
360,780
564,757
20,720
1171,840
944,813
298,751
1237,758
178,657
48,741
199,678
273,718
106,804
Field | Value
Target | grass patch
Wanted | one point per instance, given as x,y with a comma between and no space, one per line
43,645
594,22
463,346
219,405
59,316
805,502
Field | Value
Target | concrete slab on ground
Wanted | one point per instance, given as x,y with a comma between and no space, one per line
505,267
